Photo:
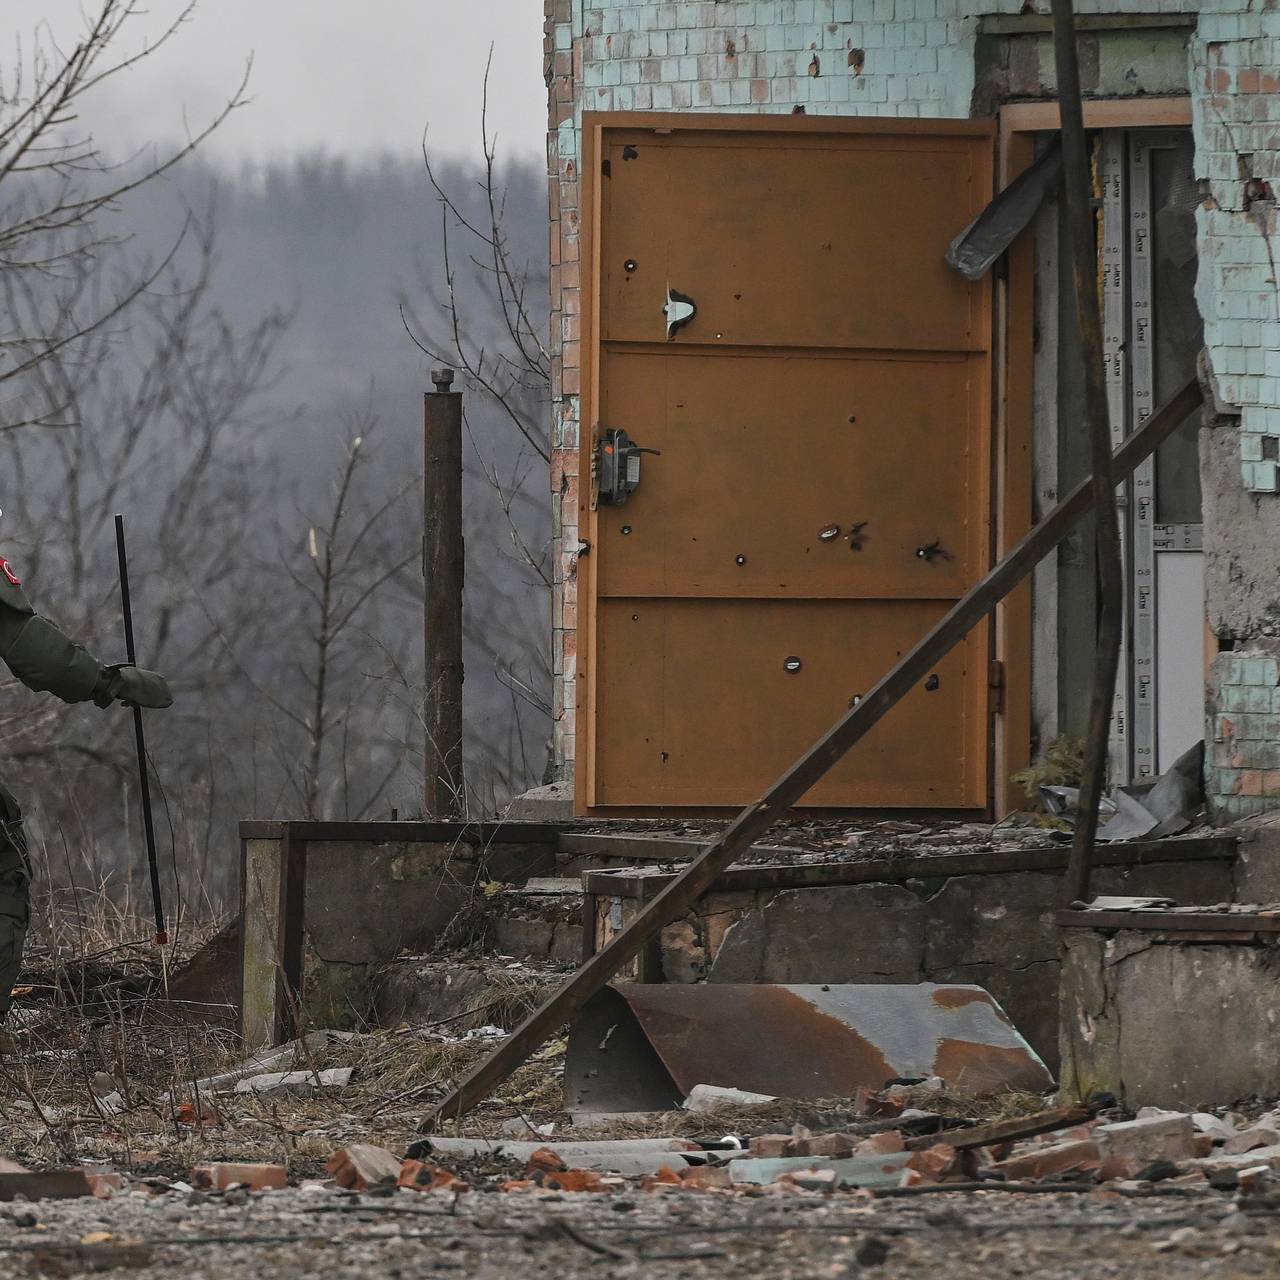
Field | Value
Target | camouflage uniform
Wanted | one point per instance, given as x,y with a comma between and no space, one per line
48,661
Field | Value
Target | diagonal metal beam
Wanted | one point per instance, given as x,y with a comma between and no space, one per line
1077,191
757,818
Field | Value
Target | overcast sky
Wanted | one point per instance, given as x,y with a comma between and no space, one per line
354,77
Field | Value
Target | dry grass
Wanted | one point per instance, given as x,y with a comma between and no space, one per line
97,1009
93,1005
1061,765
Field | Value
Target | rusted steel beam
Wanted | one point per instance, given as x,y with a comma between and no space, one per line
789,789
1077,193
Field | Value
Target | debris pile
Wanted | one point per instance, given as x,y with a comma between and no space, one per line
1085,1148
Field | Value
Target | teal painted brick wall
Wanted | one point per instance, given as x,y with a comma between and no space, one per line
910,58
1243,757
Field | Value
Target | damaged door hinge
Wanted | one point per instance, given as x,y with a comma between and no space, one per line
679,309
995,682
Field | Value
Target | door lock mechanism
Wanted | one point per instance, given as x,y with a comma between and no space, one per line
618,466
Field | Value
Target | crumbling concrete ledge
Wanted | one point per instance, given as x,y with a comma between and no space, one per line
916,923
1163,1023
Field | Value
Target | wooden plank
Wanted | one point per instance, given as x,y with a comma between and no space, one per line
642,848
987,1135
313,832
816,875
1174,921
1100,113
698,877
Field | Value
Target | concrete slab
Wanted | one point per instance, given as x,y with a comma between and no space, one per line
550,803
1162,1023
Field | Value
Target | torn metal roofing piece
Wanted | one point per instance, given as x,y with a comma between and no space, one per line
644,1047
977,248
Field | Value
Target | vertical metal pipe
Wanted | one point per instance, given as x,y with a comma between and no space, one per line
1078,190
139,741
442,568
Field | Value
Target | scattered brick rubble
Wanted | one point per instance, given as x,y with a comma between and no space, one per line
898,1148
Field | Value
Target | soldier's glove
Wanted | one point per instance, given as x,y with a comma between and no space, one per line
133,686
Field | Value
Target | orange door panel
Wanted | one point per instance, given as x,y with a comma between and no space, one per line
799,240
821,490
719,696
821,479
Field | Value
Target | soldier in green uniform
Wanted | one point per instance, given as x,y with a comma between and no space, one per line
48,661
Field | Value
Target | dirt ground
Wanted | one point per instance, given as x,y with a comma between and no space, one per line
48,1117
100,1025
961,1235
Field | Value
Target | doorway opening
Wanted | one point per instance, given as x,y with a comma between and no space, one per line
1146,195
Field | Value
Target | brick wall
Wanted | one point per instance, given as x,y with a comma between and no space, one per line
1236,107
1243,758
905,58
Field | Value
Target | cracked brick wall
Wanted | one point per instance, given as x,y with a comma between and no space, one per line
1236,112
1243,756
903,58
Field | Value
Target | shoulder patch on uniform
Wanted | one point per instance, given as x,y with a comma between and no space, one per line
11,592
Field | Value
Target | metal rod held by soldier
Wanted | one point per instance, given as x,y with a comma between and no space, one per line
144,781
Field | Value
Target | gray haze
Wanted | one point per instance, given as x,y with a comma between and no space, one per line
339,247
342,245
316,202
351,79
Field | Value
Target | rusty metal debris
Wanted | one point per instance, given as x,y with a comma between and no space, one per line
643,1047
1078,191
1012,1130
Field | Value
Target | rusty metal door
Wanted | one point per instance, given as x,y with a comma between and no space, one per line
822,491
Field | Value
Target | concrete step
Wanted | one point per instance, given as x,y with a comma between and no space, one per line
540,921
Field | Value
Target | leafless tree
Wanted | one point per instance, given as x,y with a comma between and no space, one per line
160,418
350,566
56,185
122,387
499,343
330,718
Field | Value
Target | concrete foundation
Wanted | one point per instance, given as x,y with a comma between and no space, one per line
326,906
994,929
552,802
1159,1023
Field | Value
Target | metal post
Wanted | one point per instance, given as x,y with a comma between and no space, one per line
442,568
1078,189
139,741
